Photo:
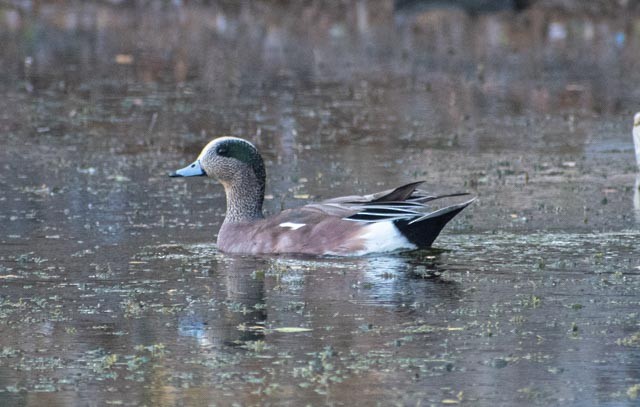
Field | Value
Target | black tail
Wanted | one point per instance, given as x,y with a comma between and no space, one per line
425,229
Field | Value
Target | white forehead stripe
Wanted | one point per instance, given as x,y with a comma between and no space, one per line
293,226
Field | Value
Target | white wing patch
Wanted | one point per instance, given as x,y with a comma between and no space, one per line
293,226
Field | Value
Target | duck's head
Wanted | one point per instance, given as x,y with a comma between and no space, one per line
237,164
228,159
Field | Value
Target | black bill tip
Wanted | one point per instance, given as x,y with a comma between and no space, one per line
174,174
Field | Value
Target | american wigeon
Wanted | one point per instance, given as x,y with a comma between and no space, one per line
391,220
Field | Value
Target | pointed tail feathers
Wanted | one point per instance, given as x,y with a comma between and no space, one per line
422,231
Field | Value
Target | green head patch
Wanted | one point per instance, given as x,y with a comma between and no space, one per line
243,151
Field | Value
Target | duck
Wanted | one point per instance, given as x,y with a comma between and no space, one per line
394,220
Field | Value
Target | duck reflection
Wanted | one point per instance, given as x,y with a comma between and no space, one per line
253,297
404,280
238,313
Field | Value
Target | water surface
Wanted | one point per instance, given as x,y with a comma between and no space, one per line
112,290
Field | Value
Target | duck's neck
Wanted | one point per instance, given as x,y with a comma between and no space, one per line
244,199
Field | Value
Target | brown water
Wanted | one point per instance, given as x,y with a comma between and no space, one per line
111,288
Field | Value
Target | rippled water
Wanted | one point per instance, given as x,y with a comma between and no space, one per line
112,291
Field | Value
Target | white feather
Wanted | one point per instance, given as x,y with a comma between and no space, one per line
636,137
384,237
293,226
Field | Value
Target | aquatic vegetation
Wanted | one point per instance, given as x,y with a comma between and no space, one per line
111,289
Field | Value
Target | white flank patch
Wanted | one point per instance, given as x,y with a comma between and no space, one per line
293,226
384,237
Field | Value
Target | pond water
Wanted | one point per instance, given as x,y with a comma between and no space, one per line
112,291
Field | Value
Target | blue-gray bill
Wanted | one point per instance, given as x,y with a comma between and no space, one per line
191,170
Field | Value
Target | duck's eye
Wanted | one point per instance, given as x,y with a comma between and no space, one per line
221,151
